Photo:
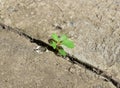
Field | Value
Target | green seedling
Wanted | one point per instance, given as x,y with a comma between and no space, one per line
57,42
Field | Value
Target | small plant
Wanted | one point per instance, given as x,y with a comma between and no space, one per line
56,42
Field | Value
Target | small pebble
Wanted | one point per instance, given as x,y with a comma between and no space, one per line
40,49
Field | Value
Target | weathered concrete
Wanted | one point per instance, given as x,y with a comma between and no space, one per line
93,25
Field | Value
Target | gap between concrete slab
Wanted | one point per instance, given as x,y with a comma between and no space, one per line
72,58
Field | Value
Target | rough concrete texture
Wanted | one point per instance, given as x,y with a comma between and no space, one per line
22,67
94,26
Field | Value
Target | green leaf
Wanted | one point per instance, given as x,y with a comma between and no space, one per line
62,52
55,37
68,43
63,37
53,44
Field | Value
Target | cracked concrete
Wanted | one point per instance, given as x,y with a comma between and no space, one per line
94,26
22,67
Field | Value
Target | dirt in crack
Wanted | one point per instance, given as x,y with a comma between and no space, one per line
72,58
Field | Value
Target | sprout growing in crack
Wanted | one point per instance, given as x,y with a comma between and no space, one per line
57,42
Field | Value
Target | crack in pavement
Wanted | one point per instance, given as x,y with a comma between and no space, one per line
72,58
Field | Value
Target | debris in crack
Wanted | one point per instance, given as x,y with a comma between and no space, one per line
72,58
